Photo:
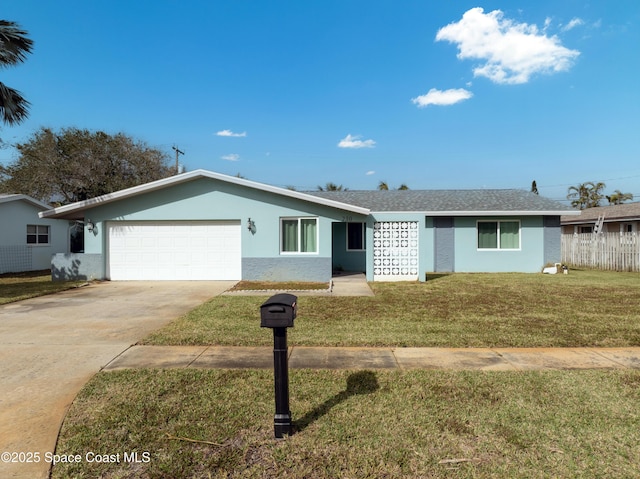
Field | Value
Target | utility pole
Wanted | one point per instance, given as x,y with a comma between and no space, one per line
178,152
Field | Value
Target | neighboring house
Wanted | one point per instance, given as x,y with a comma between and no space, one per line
624,218
603,238
27,242
202,225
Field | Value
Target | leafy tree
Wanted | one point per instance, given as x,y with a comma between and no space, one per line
14,47
74,165
586,195
618,197
331,187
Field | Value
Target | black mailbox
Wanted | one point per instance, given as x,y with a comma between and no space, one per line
278,311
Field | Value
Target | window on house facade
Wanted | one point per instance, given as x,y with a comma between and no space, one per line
501,235
299,235
37,234
355,236
628,233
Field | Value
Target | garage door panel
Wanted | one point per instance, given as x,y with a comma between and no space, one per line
180,250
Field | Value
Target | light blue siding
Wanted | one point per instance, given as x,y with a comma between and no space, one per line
449,245
552,240
209,199
528,259
343,260
15,254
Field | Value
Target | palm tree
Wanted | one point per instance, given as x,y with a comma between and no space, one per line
383,186
586,195
14,47
618,197
331,187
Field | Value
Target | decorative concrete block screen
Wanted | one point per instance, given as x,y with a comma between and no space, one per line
395,251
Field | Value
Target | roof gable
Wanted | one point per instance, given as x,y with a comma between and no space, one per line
75,210
7,198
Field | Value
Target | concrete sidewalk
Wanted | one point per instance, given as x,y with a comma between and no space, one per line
485,359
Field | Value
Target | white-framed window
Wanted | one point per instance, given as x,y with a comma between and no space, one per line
499,235
628,233
299,235
38,234
355,236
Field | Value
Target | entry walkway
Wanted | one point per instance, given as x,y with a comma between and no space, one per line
487,359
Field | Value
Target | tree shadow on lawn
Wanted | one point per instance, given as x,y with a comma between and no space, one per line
361,382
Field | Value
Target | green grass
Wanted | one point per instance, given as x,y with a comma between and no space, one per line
584,308
383,424
388,424
19,286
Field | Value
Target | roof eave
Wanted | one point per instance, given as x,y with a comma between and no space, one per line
606,220
484,213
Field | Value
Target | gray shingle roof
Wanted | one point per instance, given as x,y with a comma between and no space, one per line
626,211
447,201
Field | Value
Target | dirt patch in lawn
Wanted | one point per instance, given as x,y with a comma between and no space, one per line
280,286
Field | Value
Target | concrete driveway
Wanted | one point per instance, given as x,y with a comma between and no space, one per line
52,345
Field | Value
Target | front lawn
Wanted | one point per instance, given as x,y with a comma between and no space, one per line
19,286
191,423
584,308
356,424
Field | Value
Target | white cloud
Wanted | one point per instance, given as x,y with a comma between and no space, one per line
370,172
512,52
442,97
230,133
575,22
351,141
230,157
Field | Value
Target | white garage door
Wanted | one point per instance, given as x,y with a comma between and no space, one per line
174,250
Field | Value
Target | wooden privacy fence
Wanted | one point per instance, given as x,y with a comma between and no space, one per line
610,251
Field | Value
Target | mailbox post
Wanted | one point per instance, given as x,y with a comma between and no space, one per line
278,313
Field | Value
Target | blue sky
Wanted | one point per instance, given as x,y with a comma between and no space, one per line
429,93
